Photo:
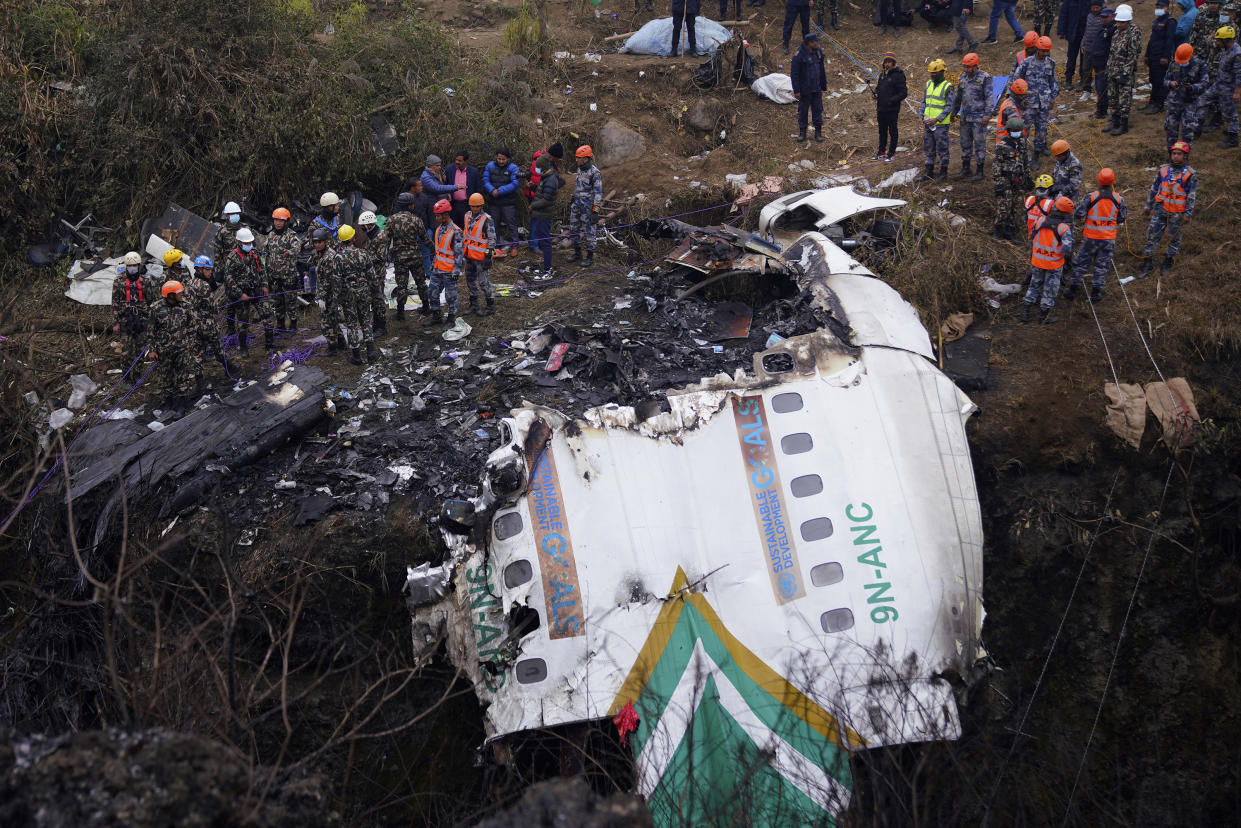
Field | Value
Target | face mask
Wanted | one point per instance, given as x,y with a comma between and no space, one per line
1223,18
1160,12
245,248
132,270
233,218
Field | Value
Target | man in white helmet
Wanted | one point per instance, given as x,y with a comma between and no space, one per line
329,214
1122,69
226,238
368,230
132,297
247,291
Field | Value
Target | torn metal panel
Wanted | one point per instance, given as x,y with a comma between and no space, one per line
808,210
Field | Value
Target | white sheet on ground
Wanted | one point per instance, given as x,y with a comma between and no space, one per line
776,87
655,38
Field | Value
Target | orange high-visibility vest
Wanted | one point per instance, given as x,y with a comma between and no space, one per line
444,259
1046,251
1036,208
1173,192
475,241
1101,217
1007,109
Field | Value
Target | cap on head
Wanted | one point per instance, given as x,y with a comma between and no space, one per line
1031,39
442,206
1183,53
1044,182
203,261
1106,12
1020,87
1180,146
584,151
172,256
1059,147
810,37
556,150
1225,33
405,199
132,258
320,234
1107,177
936,65
281,213
1044,44
172,286
366,219
476,199
345,232
1161,4
329,200
1064,204
1124,12
433,159
543,164
245,236
970,60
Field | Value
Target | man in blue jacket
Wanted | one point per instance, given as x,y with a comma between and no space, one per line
501,178
1071,27
1159,55
809,83
432,181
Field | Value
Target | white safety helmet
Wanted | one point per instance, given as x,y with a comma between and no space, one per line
231,207
1124,12
366,219
132,259
245,236
329,200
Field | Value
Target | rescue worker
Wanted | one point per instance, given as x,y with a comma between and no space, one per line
1186,81
1029,48
407,233
1104,211
1067,172
501,178
809,79
172,342
351,274
1226,86
1159,50
226,238
831,5
323,265
542,209
1039,73
1170,204
132,297
329,214
479,245
583,212
174,268
1044,17
973,102
1202,34
686,12
937,107
1011,174
1038,206
449,243
200,298
366,230
284,248
246,289
1005,8
1013,103
1122,69
1051,245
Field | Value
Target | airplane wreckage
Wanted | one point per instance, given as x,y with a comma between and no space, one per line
755,574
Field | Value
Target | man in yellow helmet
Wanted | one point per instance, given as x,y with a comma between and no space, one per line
936,115
1226,88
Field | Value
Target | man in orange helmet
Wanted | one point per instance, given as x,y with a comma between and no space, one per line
447,264
1039,73
1067,172
584,209
1103,211
173,333
972,103
1170,204
284,248
1186,80
1051,245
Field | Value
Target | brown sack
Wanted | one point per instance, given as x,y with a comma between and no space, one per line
955,326
1172,403
1126,413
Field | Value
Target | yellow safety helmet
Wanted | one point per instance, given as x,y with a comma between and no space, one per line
344,232
937,65
1225,33
1044,182
171,257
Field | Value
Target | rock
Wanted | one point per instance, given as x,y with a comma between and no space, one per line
512,63
617,144
572,802
704,113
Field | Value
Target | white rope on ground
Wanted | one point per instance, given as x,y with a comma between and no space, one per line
1068,807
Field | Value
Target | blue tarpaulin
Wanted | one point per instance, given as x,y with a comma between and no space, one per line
997,88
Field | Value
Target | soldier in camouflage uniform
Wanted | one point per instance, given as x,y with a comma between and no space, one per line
1122,69
1202,34
1170,204
247,291
406,232
200,298
351,284
284,247
1045,16
1224,92
479,242
1039,73
173,338
226,239
1067,173
1010,171
132,297
584,209
973,103
1186,80
322,265
366,232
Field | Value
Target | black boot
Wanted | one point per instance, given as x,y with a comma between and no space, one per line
1109,126
1148,267
1070,292
801,136
332,347
928,174
1166,266
836,21
381,321
1047,317
1230,141
1122,126
400,310
978,175
370,353
818,135
1096,295
1025,312
433,317
966,168
491,307
1212,124
943,173
575,255
355,356
269,340
589,260
473,311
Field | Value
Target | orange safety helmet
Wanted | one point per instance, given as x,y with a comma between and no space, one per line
1044,43
1064,204
172,287
281,212
1183,53
584,151
1180,145
476,199
442,206
970,60
1107,177
1020,87
1059,147
1031,39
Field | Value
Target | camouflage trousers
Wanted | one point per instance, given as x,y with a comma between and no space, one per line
1181,121
935,144
284,289
1094,254
379,302
356,319
405,266
1162,220
180,369
1120,96
133,338
478,279
1044,287
1044,21
974,141
1037,118
582,223
241,312
446,282
1007,208
1221,96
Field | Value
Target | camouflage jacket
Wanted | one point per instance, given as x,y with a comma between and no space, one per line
352,272
1067,176
588,190
173,327
244,274
225,240
1011,167
201,299
281,255
1191,80
404,231
1126,51
1040,76
326,264
132,299
1228,72
1202,37
973,99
